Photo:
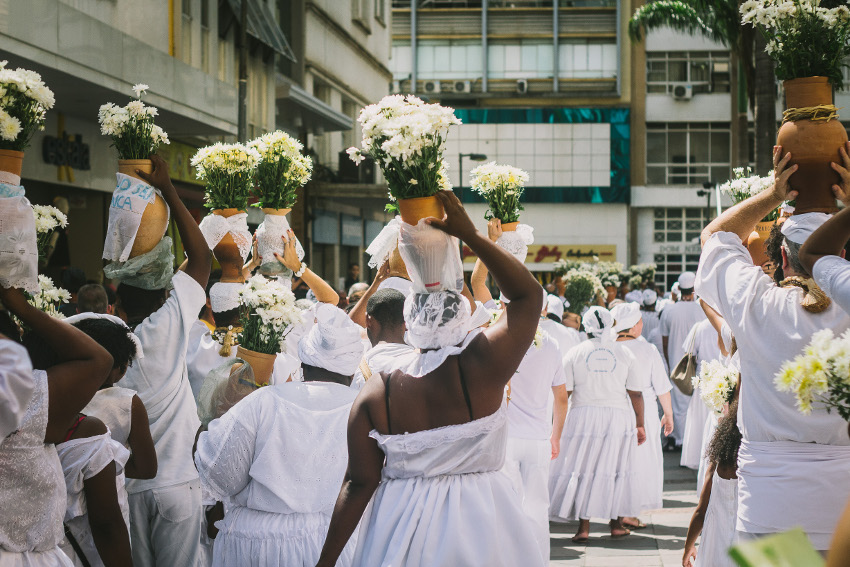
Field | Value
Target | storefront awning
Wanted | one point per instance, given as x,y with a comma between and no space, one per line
298,107
261,25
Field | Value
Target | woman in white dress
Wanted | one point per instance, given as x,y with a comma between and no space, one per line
32,486
277,457
717,511
594,475
649,459
433,447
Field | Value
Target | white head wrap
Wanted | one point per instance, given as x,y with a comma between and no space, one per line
799,227
599,322
634,296
333,343
555,306
215,227
436,320
517,242
224,296
649,297
627,315
18,248
117,320
675,289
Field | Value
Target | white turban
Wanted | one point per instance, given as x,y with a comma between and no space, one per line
333,343
649,297
555,306
599,322
799,227
436,320
117,320
627,315
634,296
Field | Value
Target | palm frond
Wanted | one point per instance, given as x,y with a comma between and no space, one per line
668,13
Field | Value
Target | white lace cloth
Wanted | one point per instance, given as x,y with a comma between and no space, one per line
269,241
425,362
129,201
460,508
436,320
32,486
18,248
215,227
387,240
432,258
517,242
224,296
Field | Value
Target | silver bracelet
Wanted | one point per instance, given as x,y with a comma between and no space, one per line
301,270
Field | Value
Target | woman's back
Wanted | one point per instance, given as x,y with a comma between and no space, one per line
598,374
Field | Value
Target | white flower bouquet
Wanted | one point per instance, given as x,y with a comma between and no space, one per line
745,185
820,375
228,170
582,289
609,273
268,314
49,297
563,267
282,169
131,127
24,102
501,186
803,38
716,383
646,273
47,219
405,136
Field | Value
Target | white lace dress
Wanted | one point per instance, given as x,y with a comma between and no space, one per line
32,490
444,500
277,459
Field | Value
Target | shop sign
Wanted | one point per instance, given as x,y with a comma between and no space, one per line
541,253
66,151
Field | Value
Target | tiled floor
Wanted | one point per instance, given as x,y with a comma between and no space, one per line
659,545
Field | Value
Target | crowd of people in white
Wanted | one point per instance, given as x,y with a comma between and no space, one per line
420,429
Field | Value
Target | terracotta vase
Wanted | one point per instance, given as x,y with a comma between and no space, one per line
397,267
756,246
227,253
154,219
276,212
11,163
813,144
509,226
412,210
262,364
611,292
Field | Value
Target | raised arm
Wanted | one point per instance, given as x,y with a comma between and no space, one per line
83,366
324,292
741,218
358,314
197,251
497,352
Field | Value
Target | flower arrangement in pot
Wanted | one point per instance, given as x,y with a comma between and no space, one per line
228,170
24,102
268,315
646,274
610,274
809,45
582,289
135,136
502,186
281,171
47,219
406,137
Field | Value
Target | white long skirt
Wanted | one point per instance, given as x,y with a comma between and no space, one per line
594,475
249,537
718,531
53,558
694,428
649,459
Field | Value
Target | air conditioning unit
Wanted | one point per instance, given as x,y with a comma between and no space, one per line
431,87
683,91
522,86
395,87
462,86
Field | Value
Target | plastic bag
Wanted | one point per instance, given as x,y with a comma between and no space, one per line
224,387
152,270
432,258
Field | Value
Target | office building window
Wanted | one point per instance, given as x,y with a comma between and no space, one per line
676,234
186,31
687,153
706,71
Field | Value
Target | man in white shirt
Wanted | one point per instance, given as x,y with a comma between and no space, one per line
166,512
792,468
534,439
676,322
385,328
553,313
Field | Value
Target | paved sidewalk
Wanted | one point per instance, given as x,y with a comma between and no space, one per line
659,545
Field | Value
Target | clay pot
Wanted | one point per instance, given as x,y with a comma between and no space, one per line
509,226
412,210
227,253
262,364
397,267
756,246
813,146
277,212
611,291
154,219
11,162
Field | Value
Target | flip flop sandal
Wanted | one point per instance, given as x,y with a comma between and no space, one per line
576,539
619,536
638,526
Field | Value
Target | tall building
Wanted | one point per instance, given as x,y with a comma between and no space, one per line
539,84
91,52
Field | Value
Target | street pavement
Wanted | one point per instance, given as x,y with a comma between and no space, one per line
661,544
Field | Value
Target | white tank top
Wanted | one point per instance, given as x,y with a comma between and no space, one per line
113,406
